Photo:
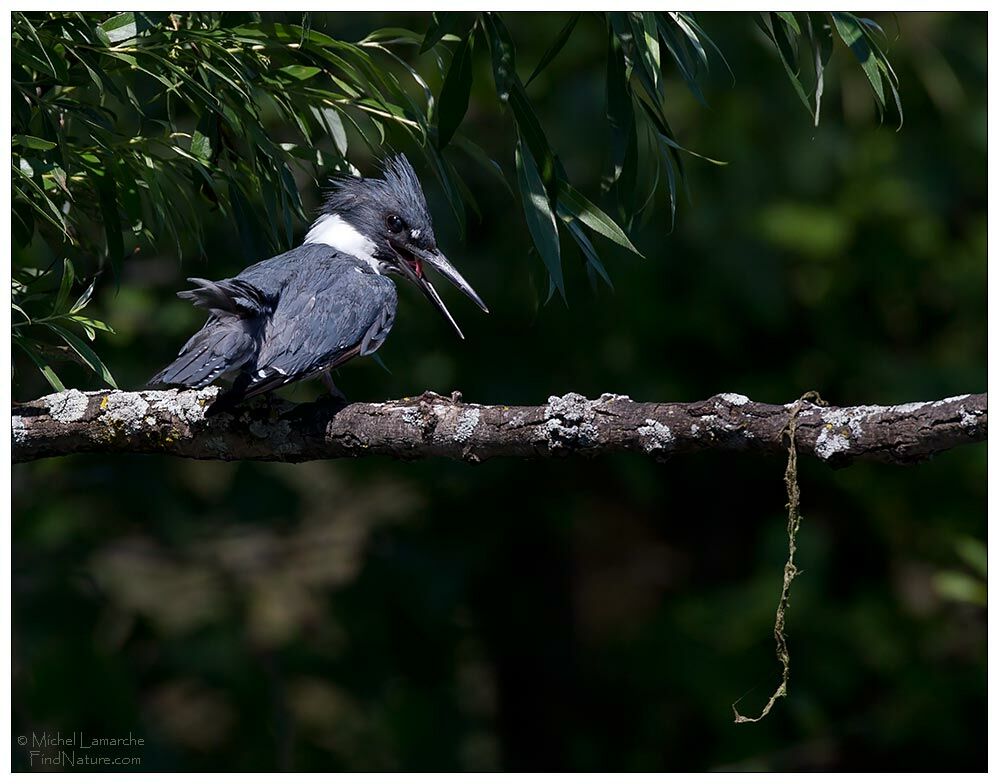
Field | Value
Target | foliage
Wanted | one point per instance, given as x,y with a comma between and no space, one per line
129,128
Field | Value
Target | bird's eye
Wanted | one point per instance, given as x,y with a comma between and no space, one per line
394,222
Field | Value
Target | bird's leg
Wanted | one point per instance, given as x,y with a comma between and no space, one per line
333,389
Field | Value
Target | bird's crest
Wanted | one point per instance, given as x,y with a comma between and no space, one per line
398,184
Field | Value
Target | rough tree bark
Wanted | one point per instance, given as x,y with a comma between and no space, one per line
175,423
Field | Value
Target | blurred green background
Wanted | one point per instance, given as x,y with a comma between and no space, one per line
568,614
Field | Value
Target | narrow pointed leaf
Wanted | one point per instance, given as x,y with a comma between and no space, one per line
454,93
789,20
851,32
301,72
540,218
441,23
43,366
85,353
502,53
557,45
577,205
785,52
589,252
32,142
65,285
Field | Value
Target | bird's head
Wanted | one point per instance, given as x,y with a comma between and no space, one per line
386,223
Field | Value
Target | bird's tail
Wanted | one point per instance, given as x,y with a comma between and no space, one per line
227,342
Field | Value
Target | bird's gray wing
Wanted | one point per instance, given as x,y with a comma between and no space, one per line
327,314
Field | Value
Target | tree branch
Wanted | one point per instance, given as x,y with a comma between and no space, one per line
174,422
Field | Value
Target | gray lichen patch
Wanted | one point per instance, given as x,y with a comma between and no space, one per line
717,426
466,425
656,436
734,398
67,406
852,419
419,414
411,415
568,422
125,410
18,432
908,408
954,399
572,407
831,442
187,405
612,397
970,418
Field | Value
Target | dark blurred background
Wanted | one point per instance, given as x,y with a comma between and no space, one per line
569,614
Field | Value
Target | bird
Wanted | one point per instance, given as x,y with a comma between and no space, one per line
305,312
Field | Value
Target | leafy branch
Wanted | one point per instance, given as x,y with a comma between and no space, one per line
133,127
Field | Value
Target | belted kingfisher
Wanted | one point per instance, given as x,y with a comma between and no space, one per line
302,313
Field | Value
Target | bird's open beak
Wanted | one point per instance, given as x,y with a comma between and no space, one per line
414,271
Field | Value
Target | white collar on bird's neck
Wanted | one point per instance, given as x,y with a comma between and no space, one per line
334,231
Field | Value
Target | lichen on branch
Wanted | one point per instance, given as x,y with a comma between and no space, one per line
178,422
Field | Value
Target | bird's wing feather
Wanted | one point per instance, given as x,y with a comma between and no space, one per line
327,314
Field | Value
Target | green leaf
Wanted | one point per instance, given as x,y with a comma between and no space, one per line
331,121
301,72
85,353
201,139
454,93
621,116
43,366
647,43
676,34
43,205
557,45
65,285
120,28
532,132
785,51
580,207
92,324
851,32
441,23
84,299
694,33
540,219
55,68
789,20
32,142
22,311
822,45
502,52
589,252
392,35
